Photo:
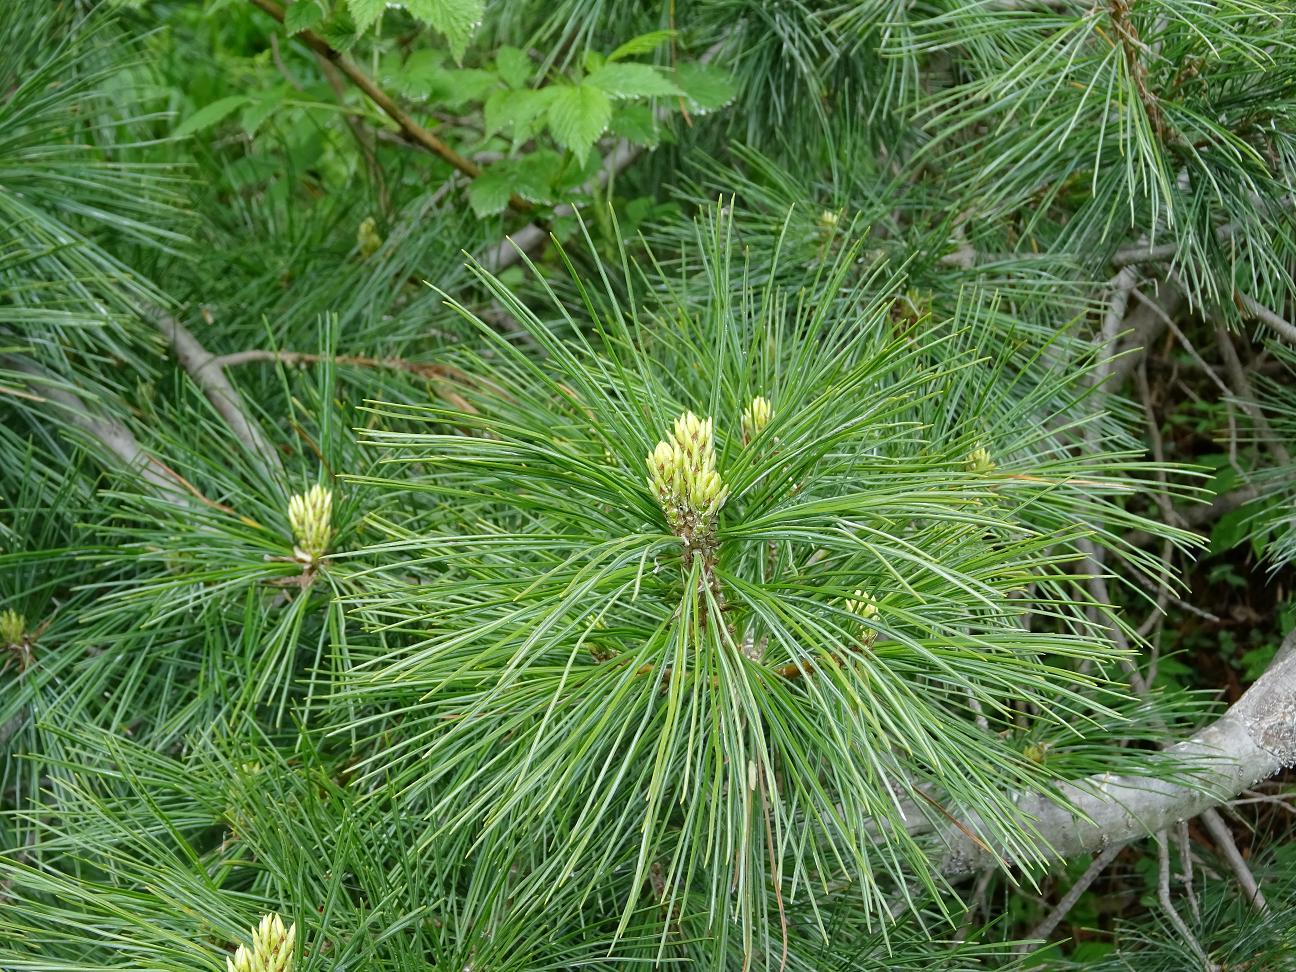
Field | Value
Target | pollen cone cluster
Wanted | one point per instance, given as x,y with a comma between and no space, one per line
12,628
979,461
864,606
755,417
311,517
271,949
682,475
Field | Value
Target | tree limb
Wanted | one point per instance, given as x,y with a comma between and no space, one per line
1256,309
109,435
1246,396
1145,324
1252,741
205,369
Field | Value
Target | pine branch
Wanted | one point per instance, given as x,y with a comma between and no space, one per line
409,128
1131,48
112,436
205,369
1251,742
1286,330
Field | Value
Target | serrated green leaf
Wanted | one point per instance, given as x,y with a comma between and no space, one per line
707,88
633,81
516,111
489,193
303,15
513,65
467,85
636,124
339,30
534,175
420,73
209,115
455,19
578,115
643,44
365,13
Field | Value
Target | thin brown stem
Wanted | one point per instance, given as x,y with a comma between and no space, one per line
439,374
409,128
1132,50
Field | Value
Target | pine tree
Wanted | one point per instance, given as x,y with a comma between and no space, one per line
731,485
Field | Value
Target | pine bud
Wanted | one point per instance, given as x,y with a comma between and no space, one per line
367,237
862,604
682,476
828,220
311,515
271,949
755,417
979,461
12,628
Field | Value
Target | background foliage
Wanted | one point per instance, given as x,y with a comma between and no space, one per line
1013,279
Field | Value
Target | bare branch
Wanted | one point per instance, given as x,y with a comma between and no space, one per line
107,434
1258,310
1045,928
1246,396
1167,905
204,368
1228,848
1145,324
1251,742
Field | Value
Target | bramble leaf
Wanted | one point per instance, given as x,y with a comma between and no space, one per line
305,14
456,19
707,88
578,115
633,81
